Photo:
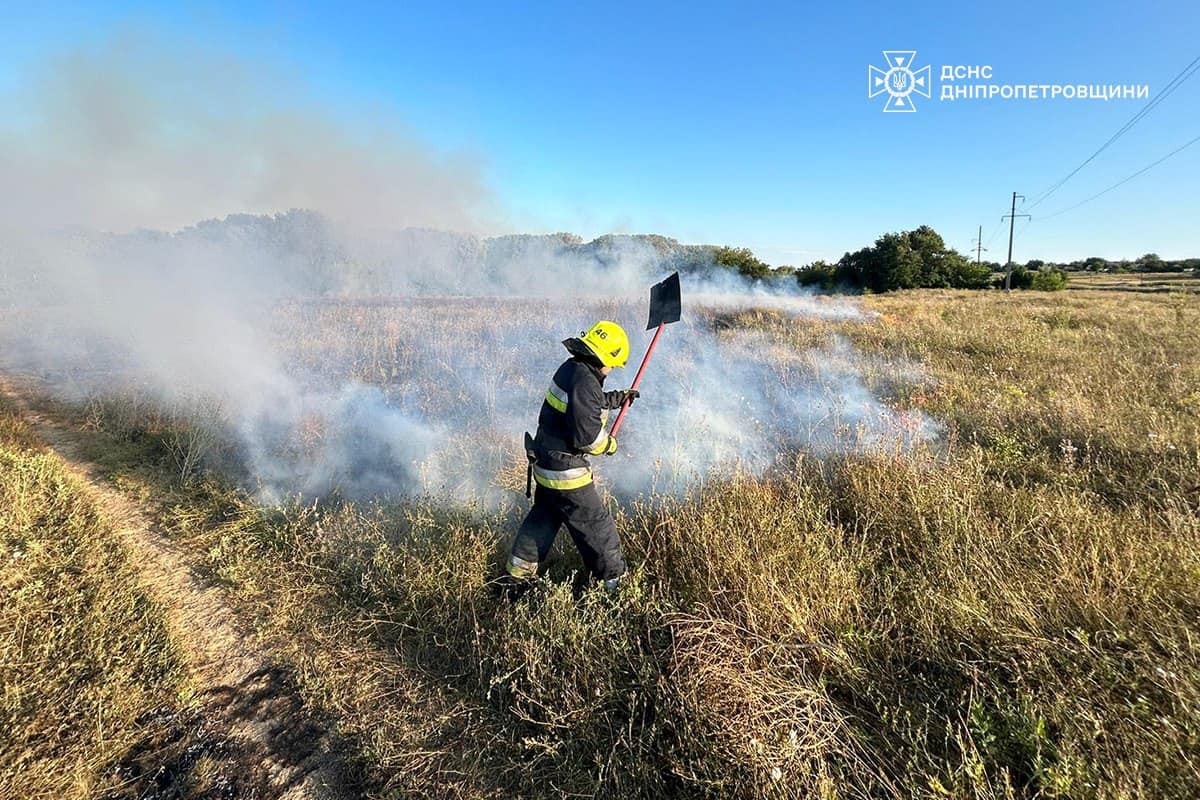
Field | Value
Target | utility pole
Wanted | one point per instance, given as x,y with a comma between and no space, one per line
1012,218
979,248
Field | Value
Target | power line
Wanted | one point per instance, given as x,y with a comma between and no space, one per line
992,236
1012,218
1024,227
1123,181
1165,92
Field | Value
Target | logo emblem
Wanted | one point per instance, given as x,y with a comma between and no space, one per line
900,81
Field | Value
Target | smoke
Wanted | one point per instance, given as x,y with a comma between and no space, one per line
127,135
354,350
322,363
747,399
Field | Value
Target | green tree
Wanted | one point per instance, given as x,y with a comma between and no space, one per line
820,274
910,260
1149,263
743,260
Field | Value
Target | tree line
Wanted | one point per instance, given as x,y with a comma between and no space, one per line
920,259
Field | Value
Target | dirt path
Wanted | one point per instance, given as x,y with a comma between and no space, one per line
254,717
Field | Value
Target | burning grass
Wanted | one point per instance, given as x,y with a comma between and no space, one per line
1008,610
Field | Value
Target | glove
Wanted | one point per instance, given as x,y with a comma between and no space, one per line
611,447
629,395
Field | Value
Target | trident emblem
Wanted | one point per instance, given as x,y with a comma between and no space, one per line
899,81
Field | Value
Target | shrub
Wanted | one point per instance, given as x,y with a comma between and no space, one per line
1051,280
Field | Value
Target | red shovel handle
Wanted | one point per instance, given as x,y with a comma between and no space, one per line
637,379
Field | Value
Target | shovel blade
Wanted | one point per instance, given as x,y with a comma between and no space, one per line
665,303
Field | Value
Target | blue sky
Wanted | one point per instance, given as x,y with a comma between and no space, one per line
742,123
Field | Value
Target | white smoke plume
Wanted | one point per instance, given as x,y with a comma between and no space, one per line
324,382
353,350
128,135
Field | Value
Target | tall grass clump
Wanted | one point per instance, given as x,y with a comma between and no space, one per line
83,653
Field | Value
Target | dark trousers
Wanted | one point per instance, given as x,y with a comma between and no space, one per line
587,520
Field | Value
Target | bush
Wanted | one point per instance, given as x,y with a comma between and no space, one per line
1051,280
965,274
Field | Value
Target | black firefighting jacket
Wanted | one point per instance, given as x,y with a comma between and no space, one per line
571,424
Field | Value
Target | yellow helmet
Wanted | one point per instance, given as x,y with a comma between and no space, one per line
609,343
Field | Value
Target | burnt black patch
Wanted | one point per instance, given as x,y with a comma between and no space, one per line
253,741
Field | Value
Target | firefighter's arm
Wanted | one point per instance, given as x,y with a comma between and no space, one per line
583,418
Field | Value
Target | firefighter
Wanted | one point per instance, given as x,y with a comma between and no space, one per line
571,428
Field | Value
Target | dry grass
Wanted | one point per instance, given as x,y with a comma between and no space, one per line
1146,282
1012,612
83,654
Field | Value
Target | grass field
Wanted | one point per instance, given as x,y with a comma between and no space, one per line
1011,610
84,655
1149,282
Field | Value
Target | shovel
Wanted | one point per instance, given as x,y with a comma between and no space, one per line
665,308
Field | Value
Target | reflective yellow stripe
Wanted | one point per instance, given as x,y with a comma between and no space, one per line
556,397
556,403
599,445
520,568
562,478
601,441
575,483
